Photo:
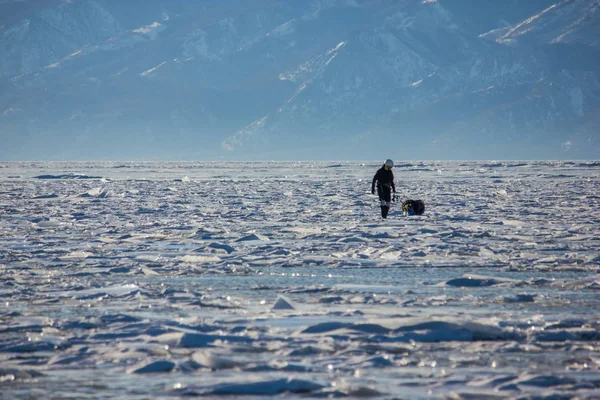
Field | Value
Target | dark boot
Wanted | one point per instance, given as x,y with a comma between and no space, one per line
384,211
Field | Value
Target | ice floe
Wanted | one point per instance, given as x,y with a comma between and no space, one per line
271,280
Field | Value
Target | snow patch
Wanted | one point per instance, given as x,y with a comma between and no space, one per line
11,111
487,89
237,139
151,30
152,70
521,29
313,67
286,28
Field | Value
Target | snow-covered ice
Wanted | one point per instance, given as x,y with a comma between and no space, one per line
160,280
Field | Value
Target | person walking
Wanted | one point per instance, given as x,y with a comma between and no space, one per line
384,179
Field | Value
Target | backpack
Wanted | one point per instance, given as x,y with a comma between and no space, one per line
413,207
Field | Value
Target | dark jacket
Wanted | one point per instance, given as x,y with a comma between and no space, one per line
384,177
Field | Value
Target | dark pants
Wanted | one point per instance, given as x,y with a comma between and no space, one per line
385,198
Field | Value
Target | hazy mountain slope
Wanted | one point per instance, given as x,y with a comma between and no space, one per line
566,21
279,79
480,16
424,87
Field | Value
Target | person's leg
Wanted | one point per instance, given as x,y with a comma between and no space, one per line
384,211
388,200
381,200
385,198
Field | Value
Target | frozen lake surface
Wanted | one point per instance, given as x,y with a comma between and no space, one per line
163,280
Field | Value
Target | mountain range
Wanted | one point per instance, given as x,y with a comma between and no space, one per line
289,79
